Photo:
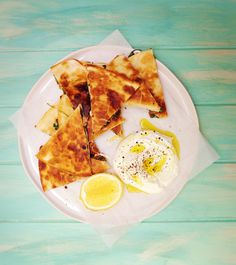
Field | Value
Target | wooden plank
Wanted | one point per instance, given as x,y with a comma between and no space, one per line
175,244
199,227
20,201
217,124
48,25
8,136
208,75
209,197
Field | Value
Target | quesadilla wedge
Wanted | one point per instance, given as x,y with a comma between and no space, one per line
65,109
118,130
71,76
98,166
142,97
67,149
97,160
56,116
144,62
121,64
52,177
114,122
108,92
49,121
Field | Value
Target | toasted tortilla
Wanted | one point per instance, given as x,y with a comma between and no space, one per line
121,64
49,122
71,75
56,116
115,121
116,124
65,109
67,149
142,97
144,62
98,162
65,105
118,130
99,166
108,92
52,177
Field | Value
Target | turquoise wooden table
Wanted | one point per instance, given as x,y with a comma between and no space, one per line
197,41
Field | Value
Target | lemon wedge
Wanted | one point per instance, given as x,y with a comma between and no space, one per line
101,191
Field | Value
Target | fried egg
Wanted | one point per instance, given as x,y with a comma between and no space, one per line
147,161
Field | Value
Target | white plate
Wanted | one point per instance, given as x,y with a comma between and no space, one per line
133,207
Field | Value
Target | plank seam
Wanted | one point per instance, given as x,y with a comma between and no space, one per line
70,49
143,222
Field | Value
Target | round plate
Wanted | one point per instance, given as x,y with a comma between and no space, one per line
133,207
